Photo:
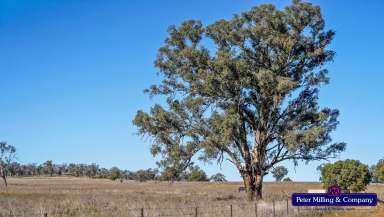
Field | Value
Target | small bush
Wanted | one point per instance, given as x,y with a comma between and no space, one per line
350,175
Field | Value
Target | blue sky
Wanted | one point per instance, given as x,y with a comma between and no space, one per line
72,76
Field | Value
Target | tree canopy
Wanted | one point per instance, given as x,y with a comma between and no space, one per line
245,89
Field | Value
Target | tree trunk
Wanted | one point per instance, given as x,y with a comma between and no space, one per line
5,180
259,186
249,184
3,175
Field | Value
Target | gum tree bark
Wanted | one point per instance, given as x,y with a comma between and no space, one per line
3,175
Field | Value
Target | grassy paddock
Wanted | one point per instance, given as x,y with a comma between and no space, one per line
65,197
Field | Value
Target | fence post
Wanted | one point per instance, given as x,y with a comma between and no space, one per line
231,210
256,209
142,212
287,209
195,211
274,210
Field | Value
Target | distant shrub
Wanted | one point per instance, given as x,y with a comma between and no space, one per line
146,175
225,198
350,175
170,174
287,179
218,177
197,174
114,173
378,172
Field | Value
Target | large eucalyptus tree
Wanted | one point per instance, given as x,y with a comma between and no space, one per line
246,90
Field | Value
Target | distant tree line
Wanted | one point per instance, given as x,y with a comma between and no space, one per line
10,167
49,168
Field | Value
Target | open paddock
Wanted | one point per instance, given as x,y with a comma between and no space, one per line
83,197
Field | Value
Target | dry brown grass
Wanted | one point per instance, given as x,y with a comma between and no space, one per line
67,197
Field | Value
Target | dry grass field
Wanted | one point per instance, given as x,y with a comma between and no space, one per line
67,197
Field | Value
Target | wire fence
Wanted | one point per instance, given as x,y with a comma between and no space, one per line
259,209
